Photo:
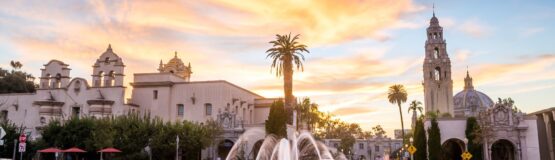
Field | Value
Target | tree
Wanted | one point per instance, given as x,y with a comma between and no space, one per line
346,143
286,51
434,141
16,65
307,114
415,105
277,120
378,131
397,95
131,134
474,144
12,132
420,140
16,81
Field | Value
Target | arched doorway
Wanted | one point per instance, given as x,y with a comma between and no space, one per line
452,149
224,147
502,150
256,147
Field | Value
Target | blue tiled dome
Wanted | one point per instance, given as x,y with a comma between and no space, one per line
470,101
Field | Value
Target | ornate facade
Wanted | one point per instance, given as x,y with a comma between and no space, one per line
168,94
177,67
508,134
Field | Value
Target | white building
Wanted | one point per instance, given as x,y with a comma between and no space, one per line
168,94
376,148
513,136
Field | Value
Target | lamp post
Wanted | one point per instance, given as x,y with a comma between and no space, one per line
465,144
411,154
466,155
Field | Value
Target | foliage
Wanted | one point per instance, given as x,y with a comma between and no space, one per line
397,94
285,50
307,114
415,105
431,114
434,141
346,143
12,132
131,134
378,131
420,140
16,81
446,115
474,145
276,123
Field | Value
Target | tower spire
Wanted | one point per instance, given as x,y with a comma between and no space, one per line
434,9
175,54
468,81
109,47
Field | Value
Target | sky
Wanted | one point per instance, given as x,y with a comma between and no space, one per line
357,47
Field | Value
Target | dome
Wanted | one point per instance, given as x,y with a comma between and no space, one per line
177,67
470,102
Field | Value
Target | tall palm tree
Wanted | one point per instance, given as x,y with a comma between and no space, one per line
397,95
413,106
286,51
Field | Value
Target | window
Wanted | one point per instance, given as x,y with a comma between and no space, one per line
437,74
77,86
75,112
244,114
109,79
361,145
335,145
107,60
46,83
180,110
436,53
435,35
4,115
155,94
98,82
208,109
57,81
377,148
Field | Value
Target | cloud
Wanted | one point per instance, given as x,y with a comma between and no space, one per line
461,55
474,29
532,31
352,110
525,69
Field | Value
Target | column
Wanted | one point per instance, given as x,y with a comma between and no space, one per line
548,122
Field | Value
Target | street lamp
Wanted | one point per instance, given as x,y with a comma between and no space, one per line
465,144
411,156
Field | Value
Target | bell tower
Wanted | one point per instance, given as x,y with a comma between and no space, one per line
438,85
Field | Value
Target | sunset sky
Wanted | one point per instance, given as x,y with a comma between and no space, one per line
357,48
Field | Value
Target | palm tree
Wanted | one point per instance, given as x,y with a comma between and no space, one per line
286,51
16,64
397,95
413,106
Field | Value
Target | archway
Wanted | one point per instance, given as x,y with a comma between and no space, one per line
224,147
452,149
256,147
502,150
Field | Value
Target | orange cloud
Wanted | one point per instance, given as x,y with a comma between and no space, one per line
320,21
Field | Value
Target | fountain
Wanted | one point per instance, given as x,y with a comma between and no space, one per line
299,146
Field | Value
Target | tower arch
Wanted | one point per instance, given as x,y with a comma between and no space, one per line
108,70
437,71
